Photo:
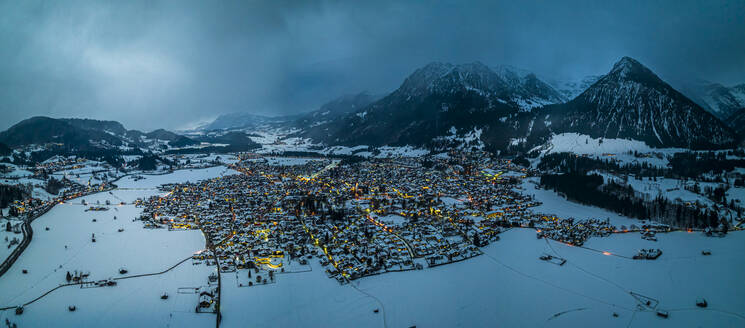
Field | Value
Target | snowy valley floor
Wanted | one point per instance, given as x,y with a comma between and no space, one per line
508,286
68,246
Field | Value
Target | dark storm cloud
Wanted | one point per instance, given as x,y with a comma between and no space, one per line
168,63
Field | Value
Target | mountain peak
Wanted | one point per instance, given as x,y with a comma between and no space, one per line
506,85
632,102
476,66
626,61
435,69
627,66
629,69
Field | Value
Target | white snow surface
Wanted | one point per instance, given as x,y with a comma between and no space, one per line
584,144
509,286
617,148
4,249
134,302
552,203
191,175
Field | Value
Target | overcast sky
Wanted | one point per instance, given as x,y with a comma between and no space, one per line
166,64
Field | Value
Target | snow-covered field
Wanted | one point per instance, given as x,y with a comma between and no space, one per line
191,175
308,299
617,149
289,161
670,188
273,142
68,246
37,185
557,205
737,193
6,238
17,173
584,144
406,151
508,286
203,158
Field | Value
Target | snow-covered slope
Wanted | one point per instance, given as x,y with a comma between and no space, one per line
584,144
73,134
519,88
242,120
720,100
437,97
509,286
528,91
335,108
571,88
621,150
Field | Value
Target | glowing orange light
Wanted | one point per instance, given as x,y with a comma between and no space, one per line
606,253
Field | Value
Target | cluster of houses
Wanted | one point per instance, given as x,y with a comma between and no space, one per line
61,163
358,219
34,207
571,232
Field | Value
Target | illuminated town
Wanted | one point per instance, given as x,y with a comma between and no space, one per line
368,164
361,219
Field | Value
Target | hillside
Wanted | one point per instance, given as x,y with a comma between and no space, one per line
41,130
86,134
335,108
632,102
737,122
433,101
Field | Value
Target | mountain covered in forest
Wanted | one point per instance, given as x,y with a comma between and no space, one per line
335,108
84,134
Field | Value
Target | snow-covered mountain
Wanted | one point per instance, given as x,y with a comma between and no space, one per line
517,88
441,100
337,107
243,121
718,99
445,78
632,102
87,134
571,88
526,89
437,98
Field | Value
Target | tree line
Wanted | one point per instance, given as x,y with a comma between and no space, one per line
622,199
9,193
680,165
